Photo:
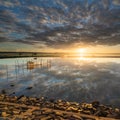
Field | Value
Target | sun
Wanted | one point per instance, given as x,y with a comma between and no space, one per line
81,52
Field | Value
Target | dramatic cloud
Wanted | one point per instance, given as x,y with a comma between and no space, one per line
60,23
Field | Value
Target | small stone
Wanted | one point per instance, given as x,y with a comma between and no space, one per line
42,98
20,97
86,112
95,104
12,85
89,106
16,112
80,110
4,114
60,104
52,100
29,88
2,97
68,103
3,91
13,93
59,101
117,110
32,99
23,99
72,109
58,113
5,108
102,113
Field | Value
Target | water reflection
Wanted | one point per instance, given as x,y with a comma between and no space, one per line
73,79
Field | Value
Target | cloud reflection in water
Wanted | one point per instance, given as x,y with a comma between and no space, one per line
70,79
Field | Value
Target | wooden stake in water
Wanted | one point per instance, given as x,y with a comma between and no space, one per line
41,63
17,66
7,71
48,63
23,68
16,70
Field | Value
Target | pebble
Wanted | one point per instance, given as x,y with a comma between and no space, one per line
29,88
94,108
3,91
95,104
12,85
4,114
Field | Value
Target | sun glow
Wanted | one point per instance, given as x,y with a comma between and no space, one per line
81,52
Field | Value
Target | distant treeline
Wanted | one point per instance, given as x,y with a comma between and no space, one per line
43,54
28,54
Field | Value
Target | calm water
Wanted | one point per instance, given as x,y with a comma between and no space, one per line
73,79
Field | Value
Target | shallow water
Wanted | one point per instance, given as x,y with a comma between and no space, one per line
72,79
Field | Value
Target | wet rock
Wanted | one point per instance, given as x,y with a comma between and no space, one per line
72,109
16,112
117,110
68,103
12,85
103,113
29,88
73,103
20,97
13,99
32,99
77,117
5,108
12,93
4,114
115,113
95,104
86,112
52,109
23,99
2,97
3,91
59,101
52,100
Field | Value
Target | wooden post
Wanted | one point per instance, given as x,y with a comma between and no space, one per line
16,70
23,68
7,72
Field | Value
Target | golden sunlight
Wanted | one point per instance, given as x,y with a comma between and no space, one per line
81,52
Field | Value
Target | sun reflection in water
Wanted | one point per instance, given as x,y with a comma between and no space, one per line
97,60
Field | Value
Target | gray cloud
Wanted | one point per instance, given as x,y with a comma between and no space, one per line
10,3
116,2
62,22
3,39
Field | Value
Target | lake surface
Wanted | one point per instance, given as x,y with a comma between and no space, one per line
72,79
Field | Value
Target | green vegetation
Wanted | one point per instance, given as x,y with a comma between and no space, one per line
28,54
42,54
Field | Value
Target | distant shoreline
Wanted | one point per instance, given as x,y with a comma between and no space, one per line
66,55
7,57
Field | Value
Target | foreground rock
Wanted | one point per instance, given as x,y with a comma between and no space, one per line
22,107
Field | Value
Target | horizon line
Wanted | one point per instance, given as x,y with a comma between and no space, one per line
58,52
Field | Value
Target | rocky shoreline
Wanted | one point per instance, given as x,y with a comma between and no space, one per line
29,108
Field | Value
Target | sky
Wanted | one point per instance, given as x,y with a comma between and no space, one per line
60,25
